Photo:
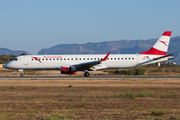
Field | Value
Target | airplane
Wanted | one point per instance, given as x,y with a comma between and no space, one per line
70,64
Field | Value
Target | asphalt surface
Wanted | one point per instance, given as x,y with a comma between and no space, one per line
91,77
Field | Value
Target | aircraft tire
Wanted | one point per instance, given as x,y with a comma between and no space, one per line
86,74
21,75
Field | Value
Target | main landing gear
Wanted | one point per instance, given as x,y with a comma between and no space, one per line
21,70
86,74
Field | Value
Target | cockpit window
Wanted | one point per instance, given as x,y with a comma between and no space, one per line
15,59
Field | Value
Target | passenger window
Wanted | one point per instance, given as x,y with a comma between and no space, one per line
68,59
84,58
79,58
71,58
111,58
46,59
129,58
114,58
107,58
76,59
57,59
32,59
87,58
118,58
42,59
64,58
133,58
91,59
122,58
94,58
53,59
61,58
125,58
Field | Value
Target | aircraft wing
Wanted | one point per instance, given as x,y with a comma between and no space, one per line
88,65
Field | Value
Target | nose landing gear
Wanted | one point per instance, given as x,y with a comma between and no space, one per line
21,70
21,75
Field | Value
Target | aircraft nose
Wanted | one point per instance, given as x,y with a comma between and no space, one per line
6,65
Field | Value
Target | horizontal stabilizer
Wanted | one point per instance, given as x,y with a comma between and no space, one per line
163,56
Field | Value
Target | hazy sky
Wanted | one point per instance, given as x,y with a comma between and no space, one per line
36,24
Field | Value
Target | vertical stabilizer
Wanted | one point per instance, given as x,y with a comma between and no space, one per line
161,46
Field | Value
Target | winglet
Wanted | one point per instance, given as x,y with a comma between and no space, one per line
104,59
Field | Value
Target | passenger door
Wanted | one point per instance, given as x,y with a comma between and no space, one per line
26,60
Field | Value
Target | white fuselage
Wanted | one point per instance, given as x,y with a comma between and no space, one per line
114,61
69,64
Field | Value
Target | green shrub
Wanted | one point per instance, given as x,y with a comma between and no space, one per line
175,118
151,65
83,102
49,87
61,94
67,107
55,118
141,94
151,94
30,111
139,71
71,98
136,71
6,58
155,71
130,72
157,112
119,94
140,108
4,117
170,65
13,87
129,94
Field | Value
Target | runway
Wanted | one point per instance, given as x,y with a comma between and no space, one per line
91,77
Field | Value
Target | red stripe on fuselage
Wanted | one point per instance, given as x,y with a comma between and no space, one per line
36,59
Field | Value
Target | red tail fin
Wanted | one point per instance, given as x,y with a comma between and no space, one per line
161,46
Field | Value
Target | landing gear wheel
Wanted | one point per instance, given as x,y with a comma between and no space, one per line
21,75
86,74
21,71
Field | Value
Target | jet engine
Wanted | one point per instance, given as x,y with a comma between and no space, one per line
68,70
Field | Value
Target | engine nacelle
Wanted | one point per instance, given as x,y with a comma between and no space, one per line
68,70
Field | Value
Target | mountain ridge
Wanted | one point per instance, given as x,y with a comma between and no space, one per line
6,51
118,46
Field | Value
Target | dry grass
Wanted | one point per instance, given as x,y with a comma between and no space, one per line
90,99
